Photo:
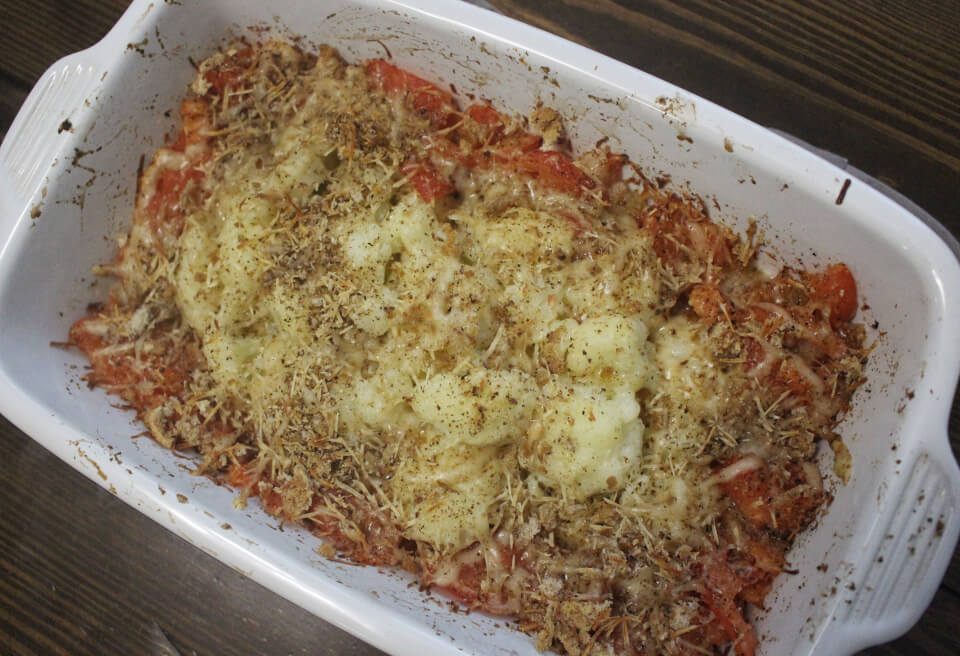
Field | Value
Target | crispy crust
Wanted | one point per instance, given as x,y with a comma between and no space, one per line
582,575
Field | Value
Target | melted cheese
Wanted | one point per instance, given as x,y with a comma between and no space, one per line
422,299
591,442
506,389
478,344
483,408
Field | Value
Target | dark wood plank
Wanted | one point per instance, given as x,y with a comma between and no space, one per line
33,35
83,573
12,95
934,634
833,73
952,578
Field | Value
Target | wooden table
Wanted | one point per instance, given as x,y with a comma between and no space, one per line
876,82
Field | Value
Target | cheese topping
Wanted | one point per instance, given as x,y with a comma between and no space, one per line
444,343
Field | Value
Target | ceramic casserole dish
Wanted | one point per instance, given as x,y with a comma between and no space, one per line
873,562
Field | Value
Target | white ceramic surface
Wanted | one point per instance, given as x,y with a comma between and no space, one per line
889,534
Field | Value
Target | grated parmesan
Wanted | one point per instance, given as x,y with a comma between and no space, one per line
444,343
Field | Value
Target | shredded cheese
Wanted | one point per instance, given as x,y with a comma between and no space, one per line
444,343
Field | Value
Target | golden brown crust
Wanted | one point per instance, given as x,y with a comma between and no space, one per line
582,570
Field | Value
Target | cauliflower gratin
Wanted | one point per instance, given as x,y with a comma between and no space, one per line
443,342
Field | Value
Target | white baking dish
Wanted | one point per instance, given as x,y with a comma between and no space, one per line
67,179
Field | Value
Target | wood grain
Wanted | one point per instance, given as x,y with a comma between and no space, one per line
33,35
12,95
875,81
836,74
83,573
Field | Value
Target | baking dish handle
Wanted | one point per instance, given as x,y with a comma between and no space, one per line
907,557
54,112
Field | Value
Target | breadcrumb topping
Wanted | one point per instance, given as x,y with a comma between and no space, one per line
444,342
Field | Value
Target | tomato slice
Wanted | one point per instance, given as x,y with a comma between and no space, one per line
752,492
194,113
164,210
226,75
553,169
484,114
719,594
429,100
466,588
679,235
240,476
427,181
707,301
837,287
